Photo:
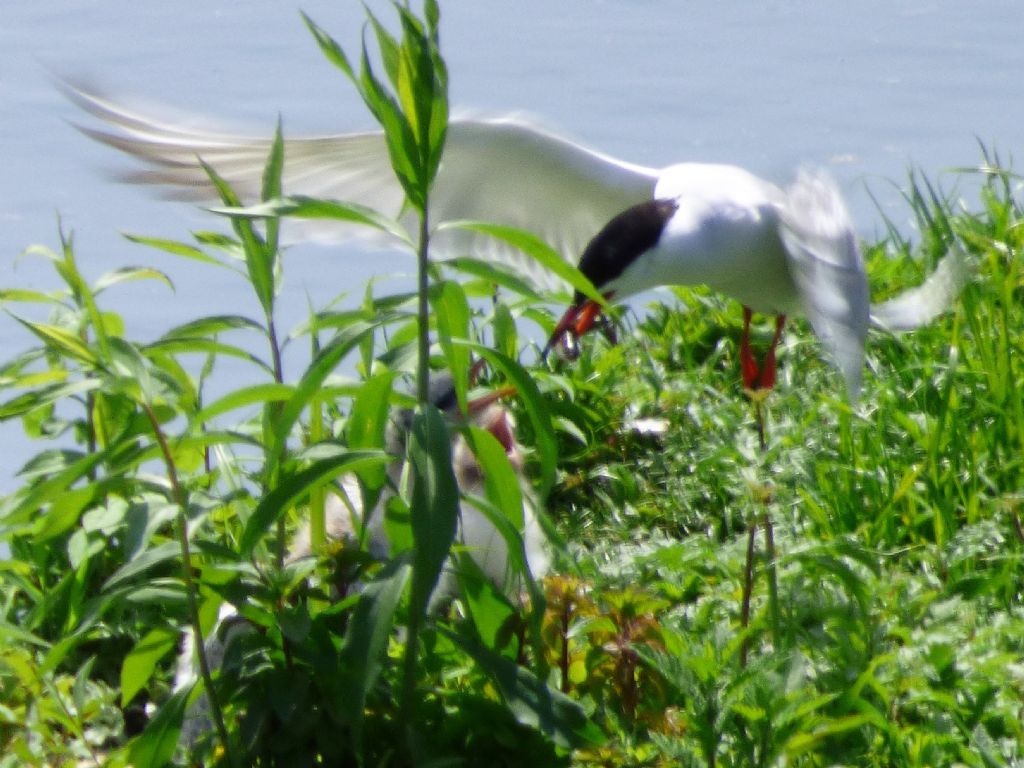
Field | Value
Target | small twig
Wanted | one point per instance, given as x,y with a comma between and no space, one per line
563,661
188,576
1015,517
748,588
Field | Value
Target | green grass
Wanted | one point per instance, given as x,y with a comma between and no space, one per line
885,624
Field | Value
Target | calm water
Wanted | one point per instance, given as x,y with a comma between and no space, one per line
869,89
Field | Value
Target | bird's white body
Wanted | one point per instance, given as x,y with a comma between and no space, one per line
778,250
724,233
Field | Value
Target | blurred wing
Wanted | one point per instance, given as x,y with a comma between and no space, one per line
502,171
829,270
919,306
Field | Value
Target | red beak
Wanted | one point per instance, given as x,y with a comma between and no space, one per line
577,320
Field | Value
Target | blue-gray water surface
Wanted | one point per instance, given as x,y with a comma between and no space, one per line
868,89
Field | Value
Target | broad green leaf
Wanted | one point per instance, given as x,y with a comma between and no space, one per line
149,558
21,505
533,703
452,315
536,410
366,429
140,663
292,488
487,606
156,745
434,505
364,651
63,513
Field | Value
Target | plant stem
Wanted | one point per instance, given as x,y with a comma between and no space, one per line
317,497
188,577
748,588
411,659
275,358
423,289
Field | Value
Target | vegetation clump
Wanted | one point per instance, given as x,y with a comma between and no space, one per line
881,625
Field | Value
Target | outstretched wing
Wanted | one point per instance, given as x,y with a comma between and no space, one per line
828,268
502,171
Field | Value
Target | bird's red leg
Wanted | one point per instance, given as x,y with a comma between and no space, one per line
748,366
767,378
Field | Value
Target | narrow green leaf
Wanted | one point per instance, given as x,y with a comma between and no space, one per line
271,188
194,346
27,296
331,50
389,48
309,386
212,325
535,248
259,260
128,274
140,663
500,480
45,396
533,703
493,273
61,341
258,394
10,632
366,428
303,207
175,248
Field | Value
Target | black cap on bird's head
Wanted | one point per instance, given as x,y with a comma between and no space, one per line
622,241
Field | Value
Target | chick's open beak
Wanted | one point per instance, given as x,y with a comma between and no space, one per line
485,412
